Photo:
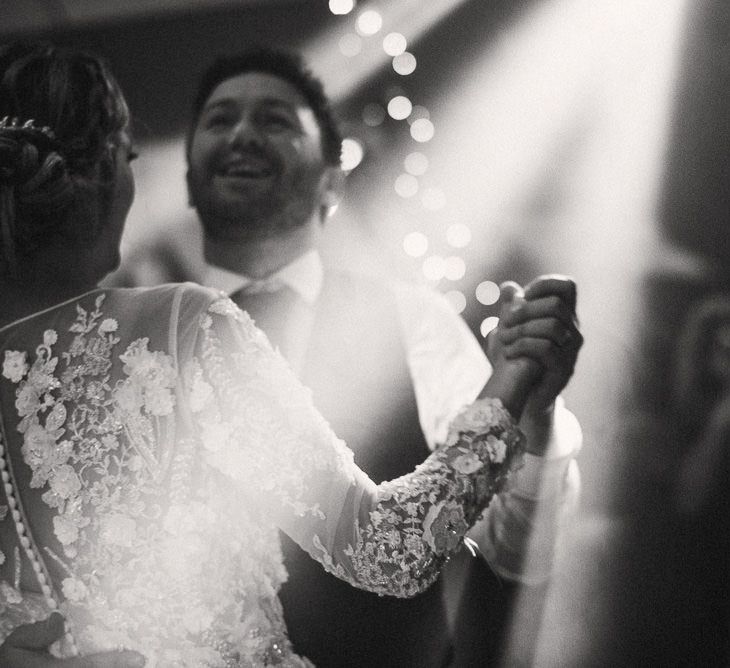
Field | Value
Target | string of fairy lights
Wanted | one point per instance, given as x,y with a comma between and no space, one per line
365,26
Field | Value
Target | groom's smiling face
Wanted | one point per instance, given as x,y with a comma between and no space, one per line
256,165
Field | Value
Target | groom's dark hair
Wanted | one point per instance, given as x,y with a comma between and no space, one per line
283,64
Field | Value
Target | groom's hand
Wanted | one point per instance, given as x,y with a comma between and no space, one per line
27,647
512,380
543,326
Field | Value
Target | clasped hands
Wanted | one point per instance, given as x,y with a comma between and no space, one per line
536,343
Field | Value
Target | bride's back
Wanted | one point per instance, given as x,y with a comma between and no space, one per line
102,416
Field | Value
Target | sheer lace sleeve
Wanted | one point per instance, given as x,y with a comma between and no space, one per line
258,426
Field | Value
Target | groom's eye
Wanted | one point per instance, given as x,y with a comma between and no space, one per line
217,120
276,120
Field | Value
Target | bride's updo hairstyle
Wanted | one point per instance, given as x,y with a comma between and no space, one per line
61,118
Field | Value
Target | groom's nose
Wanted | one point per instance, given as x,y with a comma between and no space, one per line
244,133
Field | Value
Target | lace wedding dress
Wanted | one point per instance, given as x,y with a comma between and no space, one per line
152,445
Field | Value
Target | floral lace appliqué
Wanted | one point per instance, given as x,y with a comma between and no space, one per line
422,518
94,477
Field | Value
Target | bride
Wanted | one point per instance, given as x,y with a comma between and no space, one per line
152,442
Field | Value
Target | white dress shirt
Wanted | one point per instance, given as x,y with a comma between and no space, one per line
448,369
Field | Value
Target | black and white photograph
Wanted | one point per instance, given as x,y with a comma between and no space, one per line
364,333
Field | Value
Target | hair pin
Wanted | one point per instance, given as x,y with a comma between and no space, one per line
15,124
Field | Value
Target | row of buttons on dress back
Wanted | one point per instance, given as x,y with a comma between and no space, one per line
27,543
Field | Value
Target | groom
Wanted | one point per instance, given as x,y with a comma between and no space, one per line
386,364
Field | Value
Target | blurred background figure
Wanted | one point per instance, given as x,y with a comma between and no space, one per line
702,402
513,138
702,408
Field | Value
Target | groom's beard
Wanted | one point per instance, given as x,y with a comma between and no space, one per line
288,205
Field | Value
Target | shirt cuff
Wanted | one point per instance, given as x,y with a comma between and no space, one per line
544,477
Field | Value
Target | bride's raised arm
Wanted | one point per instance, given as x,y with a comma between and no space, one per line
257,425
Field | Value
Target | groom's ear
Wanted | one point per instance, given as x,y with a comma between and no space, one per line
332,189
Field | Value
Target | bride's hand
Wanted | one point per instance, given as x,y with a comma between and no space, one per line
512,379
27,647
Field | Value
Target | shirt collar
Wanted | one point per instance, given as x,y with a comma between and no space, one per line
304,275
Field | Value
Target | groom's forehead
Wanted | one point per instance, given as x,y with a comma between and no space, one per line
257,85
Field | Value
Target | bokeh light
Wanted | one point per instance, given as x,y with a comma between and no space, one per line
488,324
350,45
454,268
373,115
405,63
352,154
416,163
415,244
487,293
394,44
434,267
456,300
341,7
369,22
458,235
406,185
399,107
422,130
433,199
